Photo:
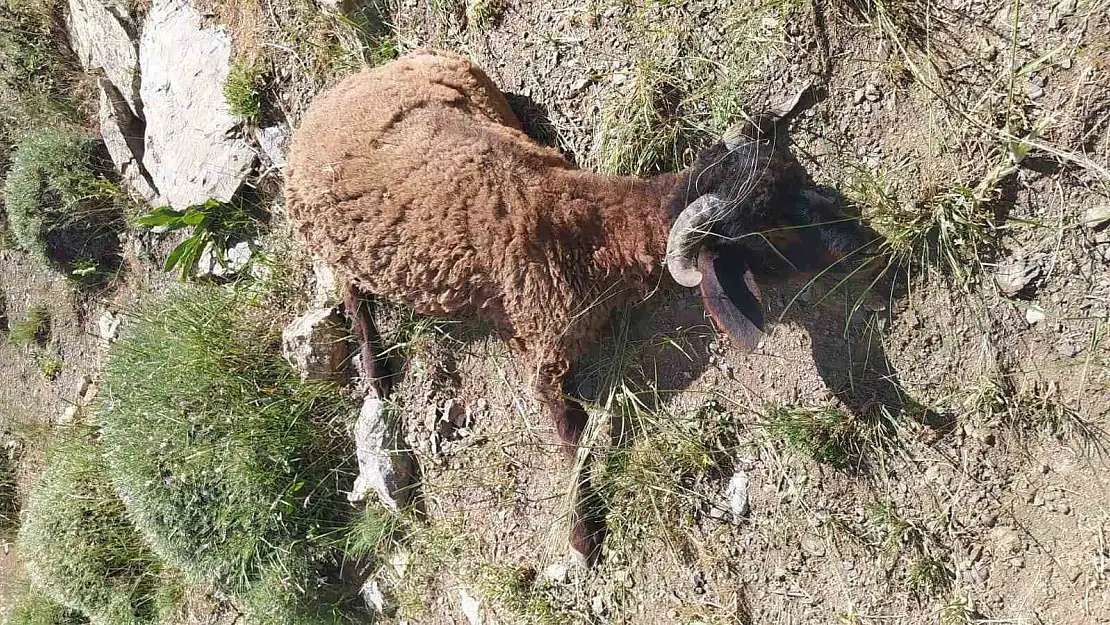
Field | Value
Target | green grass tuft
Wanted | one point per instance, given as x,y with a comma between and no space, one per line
77,544
30,607
34,328
483,13
928,576
9,496
37,73
234,469
825,434
241,91
520,594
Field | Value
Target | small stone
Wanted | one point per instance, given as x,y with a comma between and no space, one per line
872,93
1097,217
859,96
1034,315
737,495
1034,90
618,79
108,326
558,573
471,607
813,546
1014,276
580,84
453,412
1063,508
1068,349
597,604
400,563
372,595
70,414
315,345
384,465
1006,540
273,142
83,386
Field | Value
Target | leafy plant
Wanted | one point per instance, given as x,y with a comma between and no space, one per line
215,224
50,366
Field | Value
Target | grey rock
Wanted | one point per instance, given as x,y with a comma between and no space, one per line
1005,540
471,607
1097,216
326,292
123,132
1068,349
372,595
191,150
274,143
737,495
315,344
383,464
454,413
103,38
108,327
1015,275
558,573
210,264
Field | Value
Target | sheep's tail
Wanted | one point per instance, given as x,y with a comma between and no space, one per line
375,365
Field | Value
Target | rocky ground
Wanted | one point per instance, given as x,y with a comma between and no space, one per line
970,485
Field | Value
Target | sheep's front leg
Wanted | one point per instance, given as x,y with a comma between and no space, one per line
374,365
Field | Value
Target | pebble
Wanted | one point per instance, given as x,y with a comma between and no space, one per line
557,573
1097,216
1067,350
1034,315
1015,275
1006,540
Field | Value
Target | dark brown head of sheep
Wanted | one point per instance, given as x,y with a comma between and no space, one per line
744,214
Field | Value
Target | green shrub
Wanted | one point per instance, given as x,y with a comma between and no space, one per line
232,466
9,502
57,204
77,544
32,608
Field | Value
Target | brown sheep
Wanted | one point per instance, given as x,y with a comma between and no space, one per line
417,183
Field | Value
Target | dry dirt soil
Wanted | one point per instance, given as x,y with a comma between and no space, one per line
985,495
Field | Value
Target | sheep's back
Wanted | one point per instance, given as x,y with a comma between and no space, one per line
412,180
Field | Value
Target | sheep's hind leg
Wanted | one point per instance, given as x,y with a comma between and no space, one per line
375,366
587,515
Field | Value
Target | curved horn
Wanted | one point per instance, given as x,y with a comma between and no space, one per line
686,233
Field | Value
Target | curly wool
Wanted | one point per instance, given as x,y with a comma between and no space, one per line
416,181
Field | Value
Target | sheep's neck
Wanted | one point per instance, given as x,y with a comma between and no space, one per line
632,212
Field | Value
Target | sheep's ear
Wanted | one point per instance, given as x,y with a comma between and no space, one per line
730,294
